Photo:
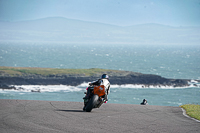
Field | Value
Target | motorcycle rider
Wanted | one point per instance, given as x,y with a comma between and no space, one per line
103,81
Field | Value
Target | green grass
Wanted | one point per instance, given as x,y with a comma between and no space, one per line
19,71
193,110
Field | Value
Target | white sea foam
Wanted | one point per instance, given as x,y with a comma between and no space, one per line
175,103
83,86
47,88
194,83
137,86
141,86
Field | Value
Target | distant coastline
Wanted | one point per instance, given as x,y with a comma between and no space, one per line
50,76
59,29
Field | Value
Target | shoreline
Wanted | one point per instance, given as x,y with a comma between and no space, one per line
74,77
81,87
131,86
9,83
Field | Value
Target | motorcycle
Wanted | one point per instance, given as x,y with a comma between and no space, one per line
95,98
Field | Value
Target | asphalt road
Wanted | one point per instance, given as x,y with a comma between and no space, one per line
23,116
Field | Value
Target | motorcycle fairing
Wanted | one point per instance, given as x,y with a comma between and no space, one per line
99,90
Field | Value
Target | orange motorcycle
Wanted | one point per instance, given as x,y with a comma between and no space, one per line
95,98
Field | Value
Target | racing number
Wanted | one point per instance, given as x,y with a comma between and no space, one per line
101,88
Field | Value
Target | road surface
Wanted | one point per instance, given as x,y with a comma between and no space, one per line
25,116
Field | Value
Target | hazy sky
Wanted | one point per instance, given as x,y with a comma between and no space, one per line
118,12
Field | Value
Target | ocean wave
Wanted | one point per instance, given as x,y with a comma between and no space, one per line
192,84
175,103
46,88
83,86
133,86
140,86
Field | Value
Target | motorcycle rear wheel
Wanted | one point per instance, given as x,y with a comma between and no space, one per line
93,101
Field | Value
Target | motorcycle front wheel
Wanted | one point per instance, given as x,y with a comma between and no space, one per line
93,101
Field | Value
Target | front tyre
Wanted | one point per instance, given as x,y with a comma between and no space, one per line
93,101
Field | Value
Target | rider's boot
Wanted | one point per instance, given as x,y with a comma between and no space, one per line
106,97
87,95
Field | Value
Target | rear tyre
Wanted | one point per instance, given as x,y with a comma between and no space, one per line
91,103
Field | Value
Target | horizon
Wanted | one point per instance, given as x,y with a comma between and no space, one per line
29,20
114,12
60,29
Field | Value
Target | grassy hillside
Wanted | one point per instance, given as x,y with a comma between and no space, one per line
20,71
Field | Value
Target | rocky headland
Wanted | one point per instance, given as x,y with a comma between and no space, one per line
41,76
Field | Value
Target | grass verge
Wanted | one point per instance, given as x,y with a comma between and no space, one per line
193,110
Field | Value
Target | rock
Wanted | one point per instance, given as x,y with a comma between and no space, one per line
4,86
74,80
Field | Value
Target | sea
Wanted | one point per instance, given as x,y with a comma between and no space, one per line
176,61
